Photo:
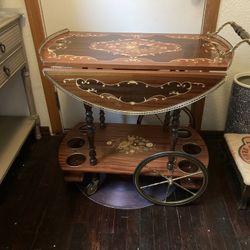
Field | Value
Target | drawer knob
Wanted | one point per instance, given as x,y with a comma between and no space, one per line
6,70
2,48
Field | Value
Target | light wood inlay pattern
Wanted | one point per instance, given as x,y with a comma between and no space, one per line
114,94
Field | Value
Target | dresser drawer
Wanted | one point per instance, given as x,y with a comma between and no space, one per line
10,66
10,38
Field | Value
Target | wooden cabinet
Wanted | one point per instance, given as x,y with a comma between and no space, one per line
14,129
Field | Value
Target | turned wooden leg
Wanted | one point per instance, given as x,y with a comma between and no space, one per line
139,119
174,128
174,136
90,134
102,119
190,117
166,120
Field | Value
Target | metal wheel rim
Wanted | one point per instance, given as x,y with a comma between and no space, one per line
165,154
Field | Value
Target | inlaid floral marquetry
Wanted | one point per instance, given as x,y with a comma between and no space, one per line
134,92
135,47
135,50
131,144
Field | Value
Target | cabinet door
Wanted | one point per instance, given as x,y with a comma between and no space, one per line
118,16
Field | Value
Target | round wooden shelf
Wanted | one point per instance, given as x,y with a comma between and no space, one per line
115,156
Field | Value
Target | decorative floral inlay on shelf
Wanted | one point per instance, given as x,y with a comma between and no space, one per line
130,145
134,92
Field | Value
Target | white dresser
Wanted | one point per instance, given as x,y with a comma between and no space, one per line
14,129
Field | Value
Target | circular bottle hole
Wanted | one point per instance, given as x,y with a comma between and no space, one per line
184,133
75,160
187,166
75,143
191,148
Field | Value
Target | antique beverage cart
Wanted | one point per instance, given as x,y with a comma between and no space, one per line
138,74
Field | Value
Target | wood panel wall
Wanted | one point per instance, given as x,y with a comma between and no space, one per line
38,34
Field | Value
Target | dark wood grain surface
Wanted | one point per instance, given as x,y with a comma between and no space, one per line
135,51
135,92
114,159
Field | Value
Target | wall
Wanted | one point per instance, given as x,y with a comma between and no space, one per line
216,103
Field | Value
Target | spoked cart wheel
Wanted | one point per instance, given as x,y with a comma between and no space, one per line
171,178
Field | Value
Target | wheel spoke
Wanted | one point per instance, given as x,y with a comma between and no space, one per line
167,193
186,176
180,186
161,186
154,184
157,172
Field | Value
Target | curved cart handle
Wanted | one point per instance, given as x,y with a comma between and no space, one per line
242,33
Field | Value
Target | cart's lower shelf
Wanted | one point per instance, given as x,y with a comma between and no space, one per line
14,131
121,147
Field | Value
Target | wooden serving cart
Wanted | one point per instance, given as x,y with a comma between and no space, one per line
138,74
